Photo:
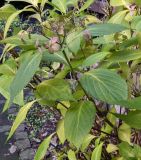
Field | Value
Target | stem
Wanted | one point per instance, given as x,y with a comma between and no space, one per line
62,104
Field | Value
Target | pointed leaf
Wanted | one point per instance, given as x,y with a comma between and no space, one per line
78,121
24,74
10,20
43,148
20,118
96,155
87,141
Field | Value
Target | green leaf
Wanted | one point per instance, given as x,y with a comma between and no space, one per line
6,11
60,4
134,103
54,90
71,155
56,57
32,2
111,148
24,74
43,148
97,57
104,85
105,29
107,128
23,40
125,55
124,133
118,17
10,20
116,3
78,121
5,82
73,41
62,109
125,150
9,67
60,131
132,119
96,155
86,142
72,2
86,5
20,118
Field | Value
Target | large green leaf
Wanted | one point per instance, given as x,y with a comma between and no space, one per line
96,155
60,4
105,29
104,85
43,148
133,119
54,90
24,74
6,11
125,55
20,118
78,121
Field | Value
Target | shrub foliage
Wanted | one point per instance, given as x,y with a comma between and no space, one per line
87,68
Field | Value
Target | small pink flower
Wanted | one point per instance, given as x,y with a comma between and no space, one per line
53,45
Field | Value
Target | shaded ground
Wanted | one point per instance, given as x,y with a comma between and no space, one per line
6,148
